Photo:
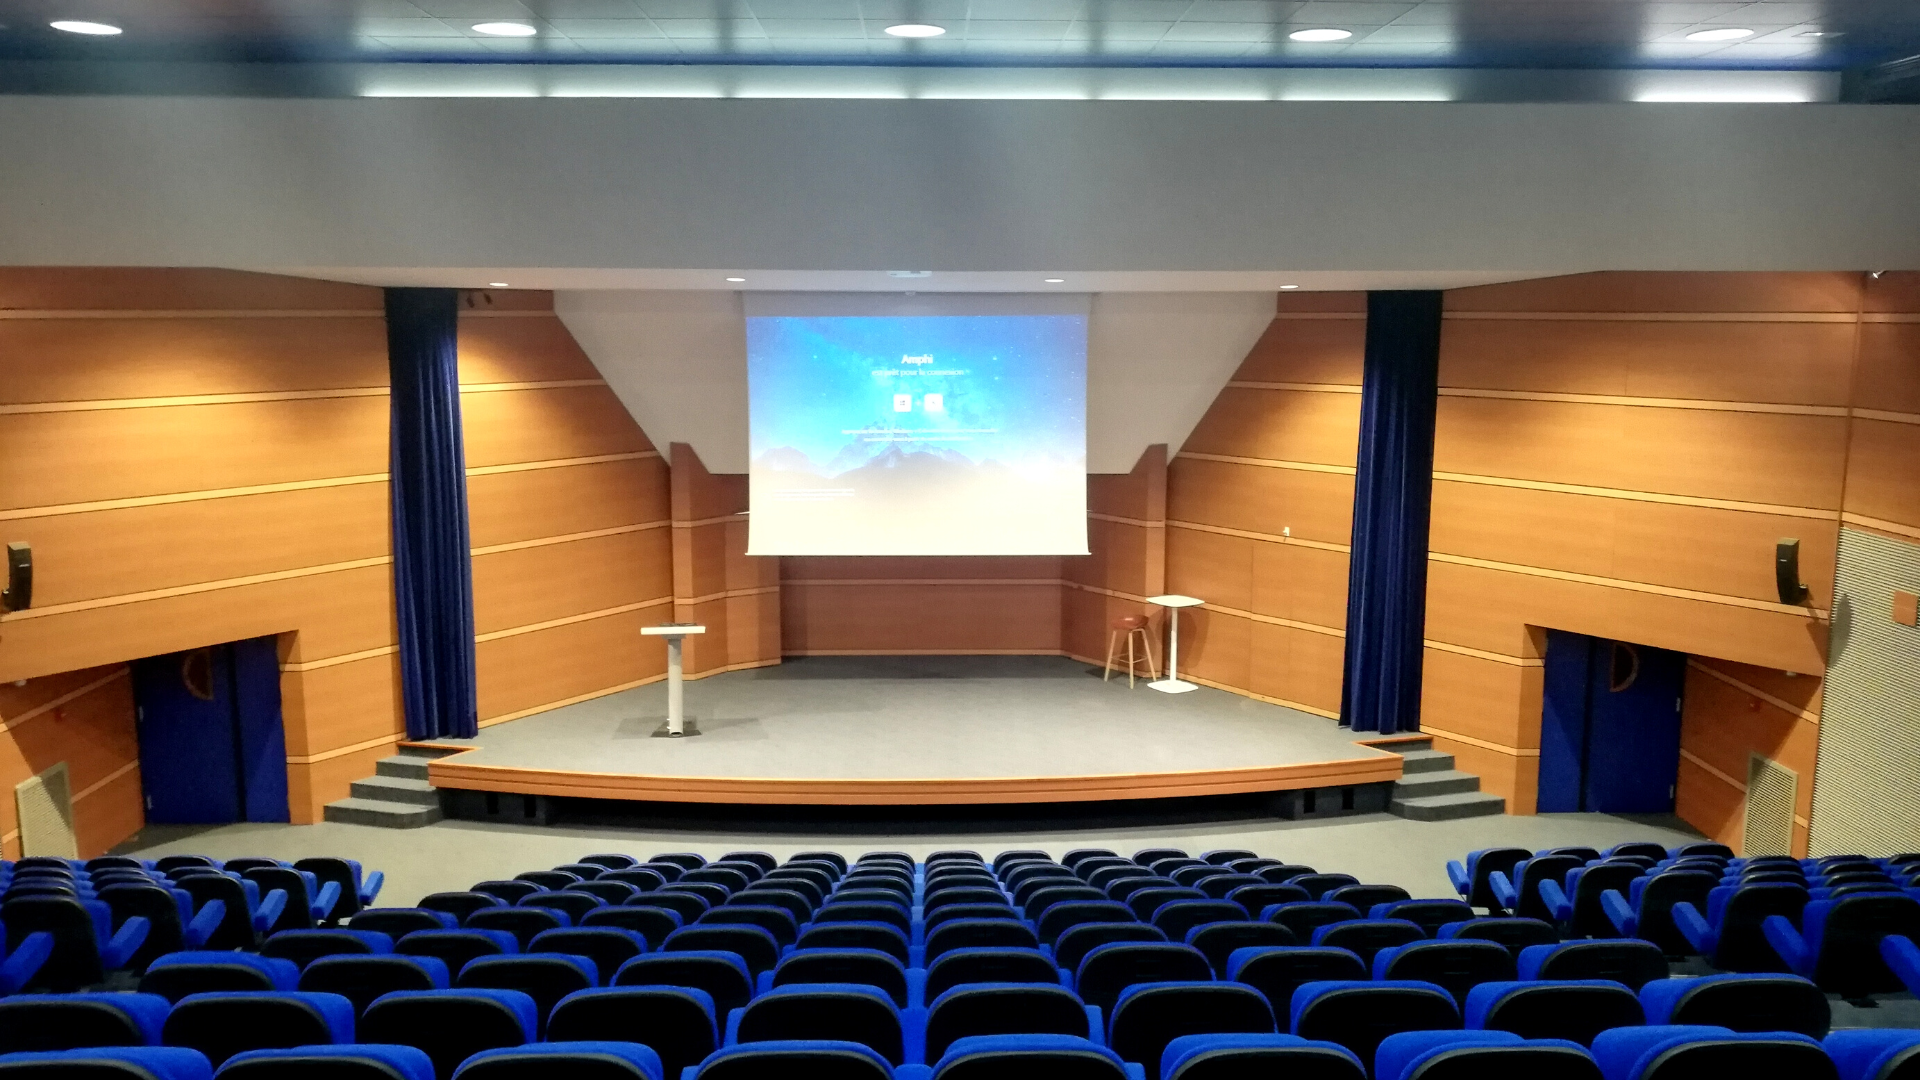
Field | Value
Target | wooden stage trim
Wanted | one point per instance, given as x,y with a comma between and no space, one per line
449,773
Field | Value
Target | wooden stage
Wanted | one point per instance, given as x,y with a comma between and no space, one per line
915,730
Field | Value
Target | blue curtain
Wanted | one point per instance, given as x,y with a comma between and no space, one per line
1392,492
432,567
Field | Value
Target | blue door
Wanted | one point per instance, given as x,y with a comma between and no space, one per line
211,746
1610,726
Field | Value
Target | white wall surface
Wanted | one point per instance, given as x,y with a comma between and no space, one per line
957,185
679,362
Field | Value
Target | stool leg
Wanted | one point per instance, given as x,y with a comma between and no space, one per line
1153,666
1130,664
1107,670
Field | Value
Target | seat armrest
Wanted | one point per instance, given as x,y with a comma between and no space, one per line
1457,873
270,910
917,987
1619,912
328,899
1135,1070
913,1036
763,983
1503,890
1692,926
132,935
203,924
1903,956
370,886
1788,943
733,1027
1095,1031
1556,900
25,961
913,1072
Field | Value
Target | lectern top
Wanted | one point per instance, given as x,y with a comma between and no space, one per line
673,629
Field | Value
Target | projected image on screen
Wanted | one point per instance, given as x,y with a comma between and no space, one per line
917,435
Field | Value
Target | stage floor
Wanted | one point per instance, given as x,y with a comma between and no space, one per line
916,730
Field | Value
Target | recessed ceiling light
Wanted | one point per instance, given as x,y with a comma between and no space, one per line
1054,280
1821,33
736,280
1720,33
505,29
1323,34
916,30
1289,286
498,285
81,26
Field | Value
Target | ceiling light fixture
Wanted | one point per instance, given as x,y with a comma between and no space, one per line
1289,286
916,30
1722,33
736,280
1323,34
1054,280
82,26
498,285
505,29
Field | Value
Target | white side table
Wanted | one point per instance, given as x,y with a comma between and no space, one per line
1173,684
676,634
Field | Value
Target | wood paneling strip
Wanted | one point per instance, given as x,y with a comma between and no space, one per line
1271,538
1498,748
1778,703
1701,763
1272,463
1810,512
568,538
209,313
9,723
110,404
1647,402
1661,316
1305,388
1631,586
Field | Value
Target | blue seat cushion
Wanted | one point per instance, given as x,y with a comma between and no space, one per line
564,1053
162,1062
408,1062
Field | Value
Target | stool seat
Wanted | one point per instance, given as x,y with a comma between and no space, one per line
1130,622
1135,628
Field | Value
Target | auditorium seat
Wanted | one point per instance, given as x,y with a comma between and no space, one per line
815,1059
221,1025
1357,1015
459,904
1060,918
868,967
1227,856
1875,1053
173,923
1277,971
450,1025
345,1062
893,911
995,965
799,894
1027,1057
1077,856
764,860
1632,963
714,894
1149,856
1458,965
356,891
574,1060
1257,1057
1574,1009
1428,915
643,878
509,892
69,1021
1518,890
732,879
1319,885
834,857
1577,902
456,947
522,922
109,1063
363,979
1480,1055
1103,877
176,975
547,880
608,947
684,904
1365,898
1645,909
1191,876
309,903
722,975
609,892
1085,868
834,1011
857,935
1472,879
1176,918
1690,1052
1304,917
544,977
652,923
685,860
1075,943
678,1022
1577,851
1123,888
990,1008
1258,898
574,905
304,946
979,933
1646,848
1220,886
611,861
1514,933
1746,1002
1365,937
1838,943
84,945
776,921
1109,969
397,923
1035,902
1148,1016
1218,940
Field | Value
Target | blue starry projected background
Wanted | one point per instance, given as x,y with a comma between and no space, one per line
917,435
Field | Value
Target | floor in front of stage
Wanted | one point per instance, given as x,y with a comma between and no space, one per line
920,718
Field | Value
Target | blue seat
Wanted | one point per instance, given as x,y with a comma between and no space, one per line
309,902
354,1062
544,977
1480,1055
1059,1057
397,923
1218,940
30,1022
1258,898
459,904
650,922
777,921
1428,915
1305,916
868,967
979,933
1634,963
109,1063
304,946
1838,944
176,975
1149,1016
958,966
1365,898
356,891
815,1059
1458,965
509,892
1221,886
643,878
1473,879
1745,1002
1257,1057
607,946
1518,890
523,922
1358,1015
1109,969
750,943
456,947
893,912
678,1022
1577,901
1514,933
1571,1009
574,1060
173,923
685,860
364,979
1680,1052
1645,910
1007,1009
1277,971
722,975
84,946
1176,918
1060,918
797,901
450,1025
221,1025
250,911
884,937
1875,1053
1730,933
1365,937
1075,943
845,1011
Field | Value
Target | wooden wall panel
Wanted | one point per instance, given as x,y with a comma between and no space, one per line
174,357
326,708
531,585
1889,374
1880,479
1307,351
1217,647
545,425
1286,425
544,669
504,508
818,618
1315,505
84,718
1667,292
1732,711
1300,583
532,348
715,582
1494,701
112,288
1213,567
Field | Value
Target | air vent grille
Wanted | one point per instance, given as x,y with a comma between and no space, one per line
1771,790
45,803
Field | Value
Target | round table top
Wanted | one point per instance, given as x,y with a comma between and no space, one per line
1175,600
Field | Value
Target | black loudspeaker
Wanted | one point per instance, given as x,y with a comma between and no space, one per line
19,592
1786,571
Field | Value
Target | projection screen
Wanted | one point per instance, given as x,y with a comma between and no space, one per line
933,425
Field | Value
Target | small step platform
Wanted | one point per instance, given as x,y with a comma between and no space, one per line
397,795
1431,789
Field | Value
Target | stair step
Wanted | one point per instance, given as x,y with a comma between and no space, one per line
429,751
1449,807
1425,761
405,766
1421,784
385,815
396,789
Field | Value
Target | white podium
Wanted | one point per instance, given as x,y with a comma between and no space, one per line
676,635
1173,684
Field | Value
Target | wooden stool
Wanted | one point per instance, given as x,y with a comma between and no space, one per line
1135,629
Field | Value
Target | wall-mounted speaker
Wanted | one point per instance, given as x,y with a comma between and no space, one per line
18,595
1786,571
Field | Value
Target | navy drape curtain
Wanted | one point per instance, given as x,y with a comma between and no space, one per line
1392,491
432,567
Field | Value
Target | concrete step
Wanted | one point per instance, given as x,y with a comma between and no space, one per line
404,766
1464,804
429,751
1421,784
396,789
385,815
1425,761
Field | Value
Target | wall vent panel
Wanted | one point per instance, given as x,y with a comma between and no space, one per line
1771,791
1865,798
45,803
